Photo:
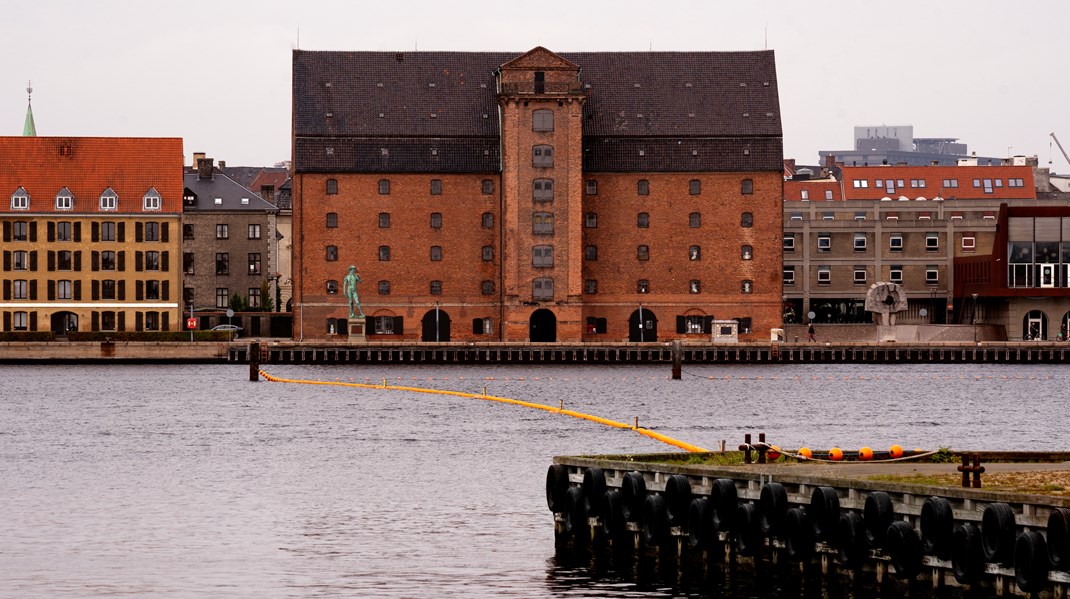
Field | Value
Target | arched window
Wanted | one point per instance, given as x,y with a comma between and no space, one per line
332,186
488,220
542,288
746,252
542,156
542,256
543,190
542,120
747,187
746,220
1035,326
542,223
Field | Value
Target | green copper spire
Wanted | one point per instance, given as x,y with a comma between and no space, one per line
28,129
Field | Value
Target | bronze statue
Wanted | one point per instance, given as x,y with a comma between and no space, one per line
350,289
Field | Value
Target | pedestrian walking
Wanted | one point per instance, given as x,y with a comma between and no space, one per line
811,331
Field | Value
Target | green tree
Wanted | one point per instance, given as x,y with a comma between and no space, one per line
238,303
267,303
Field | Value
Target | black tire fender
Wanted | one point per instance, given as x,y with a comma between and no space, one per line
609,515
997,533
747,530
937,522
724,503
773,506
594,487
655,520
851,543
1059,538
633,495
556,487
698,523
575,511
824,511
1030,562
677,499
877,515
798,534
967,553
904,547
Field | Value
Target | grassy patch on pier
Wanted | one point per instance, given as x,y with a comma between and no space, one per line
1055,483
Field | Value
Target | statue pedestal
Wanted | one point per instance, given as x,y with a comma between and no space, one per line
356,330
887,333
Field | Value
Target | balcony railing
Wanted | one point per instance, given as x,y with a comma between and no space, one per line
541,87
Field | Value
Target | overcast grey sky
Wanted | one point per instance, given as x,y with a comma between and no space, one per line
217,74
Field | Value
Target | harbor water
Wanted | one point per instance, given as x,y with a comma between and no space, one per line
191,481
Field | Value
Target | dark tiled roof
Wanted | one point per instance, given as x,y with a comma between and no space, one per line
631,154
225,188
351,95
399,154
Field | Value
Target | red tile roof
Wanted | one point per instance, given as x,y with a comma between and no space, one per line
934,177
815,189
87,166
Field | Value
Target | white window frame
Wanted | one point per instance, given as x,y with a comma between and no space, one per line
895,274
860,280
789,242
824,275
20,200
805,194
824,242
64,200
860,243
109,200
969,242
789,275
932,242
893,246
151,200
932,275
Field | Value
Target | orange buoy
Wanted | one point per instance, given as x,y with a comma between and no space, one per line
835,454
805,453
773,453
896,451
865,454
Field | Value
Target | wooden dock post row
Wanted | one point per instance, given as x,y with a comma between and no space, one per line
805,523
677,354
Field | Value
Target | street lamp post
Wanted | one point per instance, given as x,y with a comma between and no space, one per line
973,317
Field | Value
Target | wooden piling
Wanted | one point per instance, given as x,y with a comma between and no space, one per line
254,361
677,359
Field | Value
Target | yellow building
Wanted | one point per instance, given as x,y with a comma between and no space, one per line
91,234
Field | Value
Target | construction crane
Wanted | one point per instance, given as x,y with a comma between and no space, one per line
1060,147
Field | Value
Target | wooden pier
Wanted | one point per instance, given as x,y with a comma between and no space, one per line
289,352
810,518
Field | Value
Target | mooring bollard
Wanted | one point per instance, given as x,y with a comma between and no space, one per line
976,469
677,359
254,362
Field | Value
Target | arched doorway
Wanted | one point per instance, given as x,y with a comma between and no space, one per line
643,326
436,325
1035,326
63,323
542,326
1065,329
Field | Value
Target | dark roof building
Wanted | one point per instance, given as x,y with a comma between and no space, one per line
526,151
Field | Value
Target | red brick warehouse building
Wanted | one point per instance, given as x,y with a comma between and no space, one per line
599,196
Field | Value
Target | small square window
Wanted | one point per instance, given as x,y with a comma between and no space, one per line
969,243
932,242
590,220
747,187
789,242
592,187
860,242
694,187
643,220
384,220
590,286
643,187
694,220
384,287
642,286
488,253
746,286
384,187
436,220
436,288
643,252
895,274
694,253
436,187
824,276
895,243
824,242
332,253
487,187
805,195
332,287
487,287
789,275
222,231
384,253
828,194
487,220
860,276
590,253
746,252
694,286
332,186
746,220
332,220
436,253
932,275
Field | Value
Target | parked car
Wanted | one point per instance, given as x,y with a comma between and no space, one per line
233,328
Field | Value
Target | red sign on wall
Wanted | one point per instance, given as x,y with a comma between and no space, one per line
191,323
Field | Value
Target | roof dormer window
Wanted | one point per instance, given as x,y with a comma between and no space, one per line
151,200
20,200
64,200
109,200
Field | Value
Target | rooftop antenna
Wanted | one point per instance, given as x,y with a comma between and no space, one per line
767,36
298,37
651,47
